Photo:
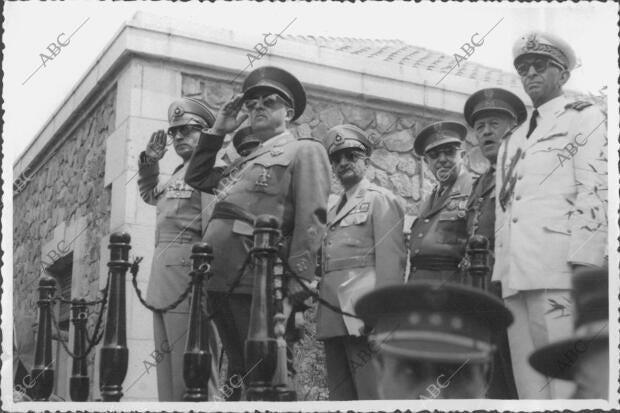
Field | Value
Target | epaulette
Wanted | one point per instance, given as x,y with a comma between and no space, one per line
578,105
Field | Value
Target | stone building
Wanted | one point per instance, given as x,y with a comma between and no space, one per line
77,181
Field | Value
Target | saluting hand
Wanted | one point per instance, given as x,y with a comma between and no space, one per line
226,120
156,147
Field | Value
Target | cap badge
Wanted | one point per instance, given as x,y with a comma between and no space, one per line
178,112
488,93
339,140
531,43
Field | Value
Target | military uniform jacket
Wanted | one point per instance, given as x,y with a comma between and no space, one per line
180,219
440,233
363,249
284,177
481,207
553,214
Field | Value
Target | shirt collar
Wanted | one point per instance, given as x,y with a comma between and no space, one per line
274,140
553,106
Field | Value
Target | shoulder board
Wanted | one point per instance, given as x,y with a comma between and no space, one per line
578,105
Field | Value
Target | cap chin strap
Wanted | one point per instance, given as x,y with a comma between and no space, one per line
441,337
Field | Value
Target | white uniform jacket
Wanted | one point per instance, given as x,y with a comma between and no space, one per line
551,208
363,249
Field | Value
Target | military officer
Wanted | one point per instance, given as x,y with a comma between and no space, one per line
432,339
492,114
284,177
364,248
179,225
550,214
583,357
439,235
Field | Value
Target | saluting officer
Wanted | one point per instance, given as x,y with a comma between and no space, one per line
492,114
284,177
550,219
583,357
438,235
433,339
364,248
180,218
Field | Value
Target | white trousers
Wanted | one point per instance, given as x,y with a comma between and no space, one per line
541,317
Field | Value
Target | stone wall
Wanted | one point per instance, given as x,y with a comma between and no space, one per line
63,206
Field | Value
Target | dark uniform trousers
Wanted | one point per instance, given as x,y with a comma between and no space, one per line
364,249
283,177
481,215
439,235
178,226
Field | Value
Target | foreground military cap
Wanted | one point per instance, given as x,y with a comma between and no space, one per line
345,137
242,138
281,82
439,133
494,100
590,289
434,320
189,111
547,45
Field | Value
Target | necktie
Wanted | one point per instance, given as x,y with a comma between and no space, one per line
533,123
342,202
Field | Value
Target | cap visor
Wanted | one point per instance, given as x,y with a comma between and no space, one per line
558,359
433,351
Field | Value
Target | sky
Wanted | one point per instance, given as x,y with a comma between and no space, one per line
30,27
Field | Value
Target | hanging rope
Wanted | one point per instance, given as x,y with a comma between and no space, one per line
97,335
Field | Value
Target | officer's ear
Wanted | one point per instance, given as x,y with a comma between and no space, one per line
290,112
564,76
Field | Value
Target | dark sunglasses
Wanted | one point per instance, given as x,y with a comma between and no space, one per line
350,156
184,130
449,152
270,102
540,65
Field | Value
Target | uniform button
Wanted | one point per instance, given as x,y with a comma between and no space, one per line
520,177
413,269
426,221
420,235
515,219
329,243
416,252
518,197
523,155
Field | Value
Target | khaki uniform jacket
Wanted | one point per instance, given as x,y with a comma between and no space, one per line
363,249
441,231
286,178
554,216
180,219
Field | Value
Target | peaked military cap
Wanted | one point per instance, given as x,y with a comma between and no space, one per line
345,137
281,82
189,111
494,99
433,320
590,289
547,45
243,138
439,133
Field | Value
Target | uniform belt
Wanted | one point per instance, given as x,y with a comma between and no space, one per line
436,263
227,210
181,237
349,262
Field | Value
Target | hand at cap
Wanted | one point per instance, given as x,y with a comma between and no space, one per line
226,120
156,147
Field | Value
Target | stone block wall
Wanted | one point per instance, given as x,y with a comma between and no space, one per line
63,206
